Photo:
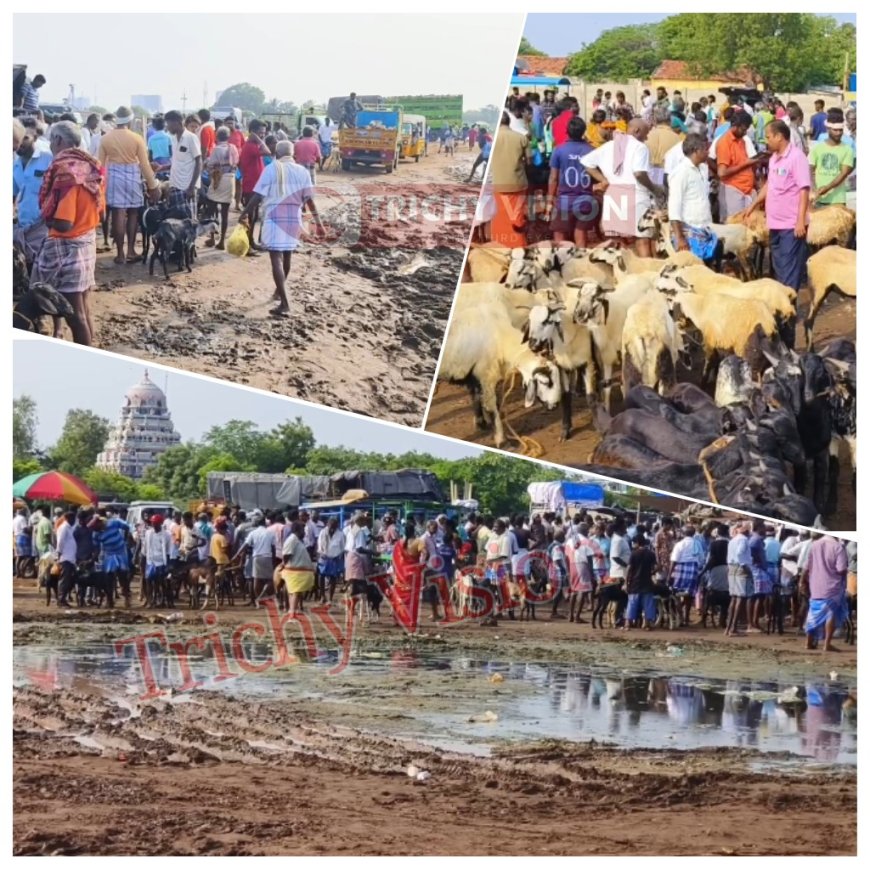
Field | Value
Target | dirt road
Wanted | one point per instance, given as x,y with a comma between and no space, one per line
369,305
450,414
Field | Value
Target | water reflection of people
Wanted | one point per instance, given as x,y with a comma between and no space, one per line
822,724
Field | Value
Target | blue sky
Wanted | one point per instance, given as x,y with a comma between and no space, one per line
561,34
60,376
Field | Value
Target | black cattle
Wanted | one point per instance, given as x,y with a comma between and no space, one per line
37,302
704,422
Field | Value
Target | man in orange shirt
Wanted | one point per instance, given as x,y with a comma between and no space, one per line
207,134
736,167
71,201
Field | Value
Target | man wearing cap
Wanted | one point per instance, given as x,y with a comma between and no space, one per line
831,163
125,158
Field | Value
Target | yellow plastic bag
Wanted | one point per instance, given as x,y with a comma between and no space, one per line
237,243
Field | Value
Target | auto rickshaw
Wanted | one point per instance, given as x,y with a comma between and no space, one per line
413,137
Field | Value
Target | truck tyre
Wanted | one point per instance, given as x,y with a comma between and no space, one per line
345,165
388,168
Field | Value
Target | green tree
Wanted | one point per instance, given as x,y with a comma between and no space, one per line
283,107
83,437
243,96
151,492
111,484
23,467
527,48
98,110
177,471
24,422
788,51
324,459
619,54
140,111
220,462
270,452
500,482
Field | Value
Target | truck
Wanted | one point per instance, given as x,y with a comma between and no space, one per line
223,112
438,109
374,141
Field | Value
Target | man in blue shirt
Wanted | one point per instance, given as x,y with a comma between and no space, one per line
31,163
160,144
817,121
30,94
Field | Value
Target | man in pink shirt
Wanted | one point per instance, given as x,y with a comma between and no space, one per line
306,152
787,196
827,563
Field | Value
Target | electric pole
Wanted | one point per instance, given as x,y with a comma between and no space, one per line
184,103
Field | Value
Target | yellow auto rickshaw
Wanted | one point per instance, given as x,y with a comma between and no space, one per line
413,137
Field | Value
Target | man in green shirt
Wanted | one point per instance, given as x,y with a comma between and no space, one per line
831,163
763,116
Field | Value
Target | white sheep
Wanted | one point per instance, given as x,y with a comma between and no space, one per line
481,350
625,261
517,303
726,324
737,241
831,268
607,335
651,345
780,299
830,223
568,345
488,263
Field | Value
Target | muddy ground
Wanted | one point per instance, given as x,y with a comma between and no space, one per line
300,760
450,414
369,305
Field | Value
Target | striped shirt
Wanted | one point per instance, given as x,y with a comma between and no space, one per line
113,538
29,97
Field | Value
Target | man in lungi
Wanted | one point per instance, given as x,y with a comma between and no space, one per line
763,585
70,201
827,564
740,583
185,171
330,557
262,546
124,156
687,559
285,189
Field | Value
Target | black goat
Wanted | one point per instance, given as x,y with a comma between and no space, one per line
177,238
150,219
38,302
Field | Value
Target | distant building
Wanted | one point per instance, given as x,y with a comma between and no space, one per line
676,75
81,104
144,430
152,102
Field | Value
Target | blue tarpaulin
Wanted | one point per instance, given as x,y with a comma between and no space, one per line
588,495
539,81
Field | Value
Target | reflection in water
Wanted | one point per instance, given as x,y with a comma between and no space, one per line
558,701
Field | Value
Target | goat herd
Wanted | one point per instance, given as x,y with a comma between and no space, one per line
168,232
760,425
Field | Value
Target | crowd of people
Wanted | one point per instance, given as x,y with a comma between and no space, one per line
71,180
701,162
747,571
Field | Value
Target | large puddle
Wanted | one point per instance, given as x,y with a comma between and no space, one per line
504,701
